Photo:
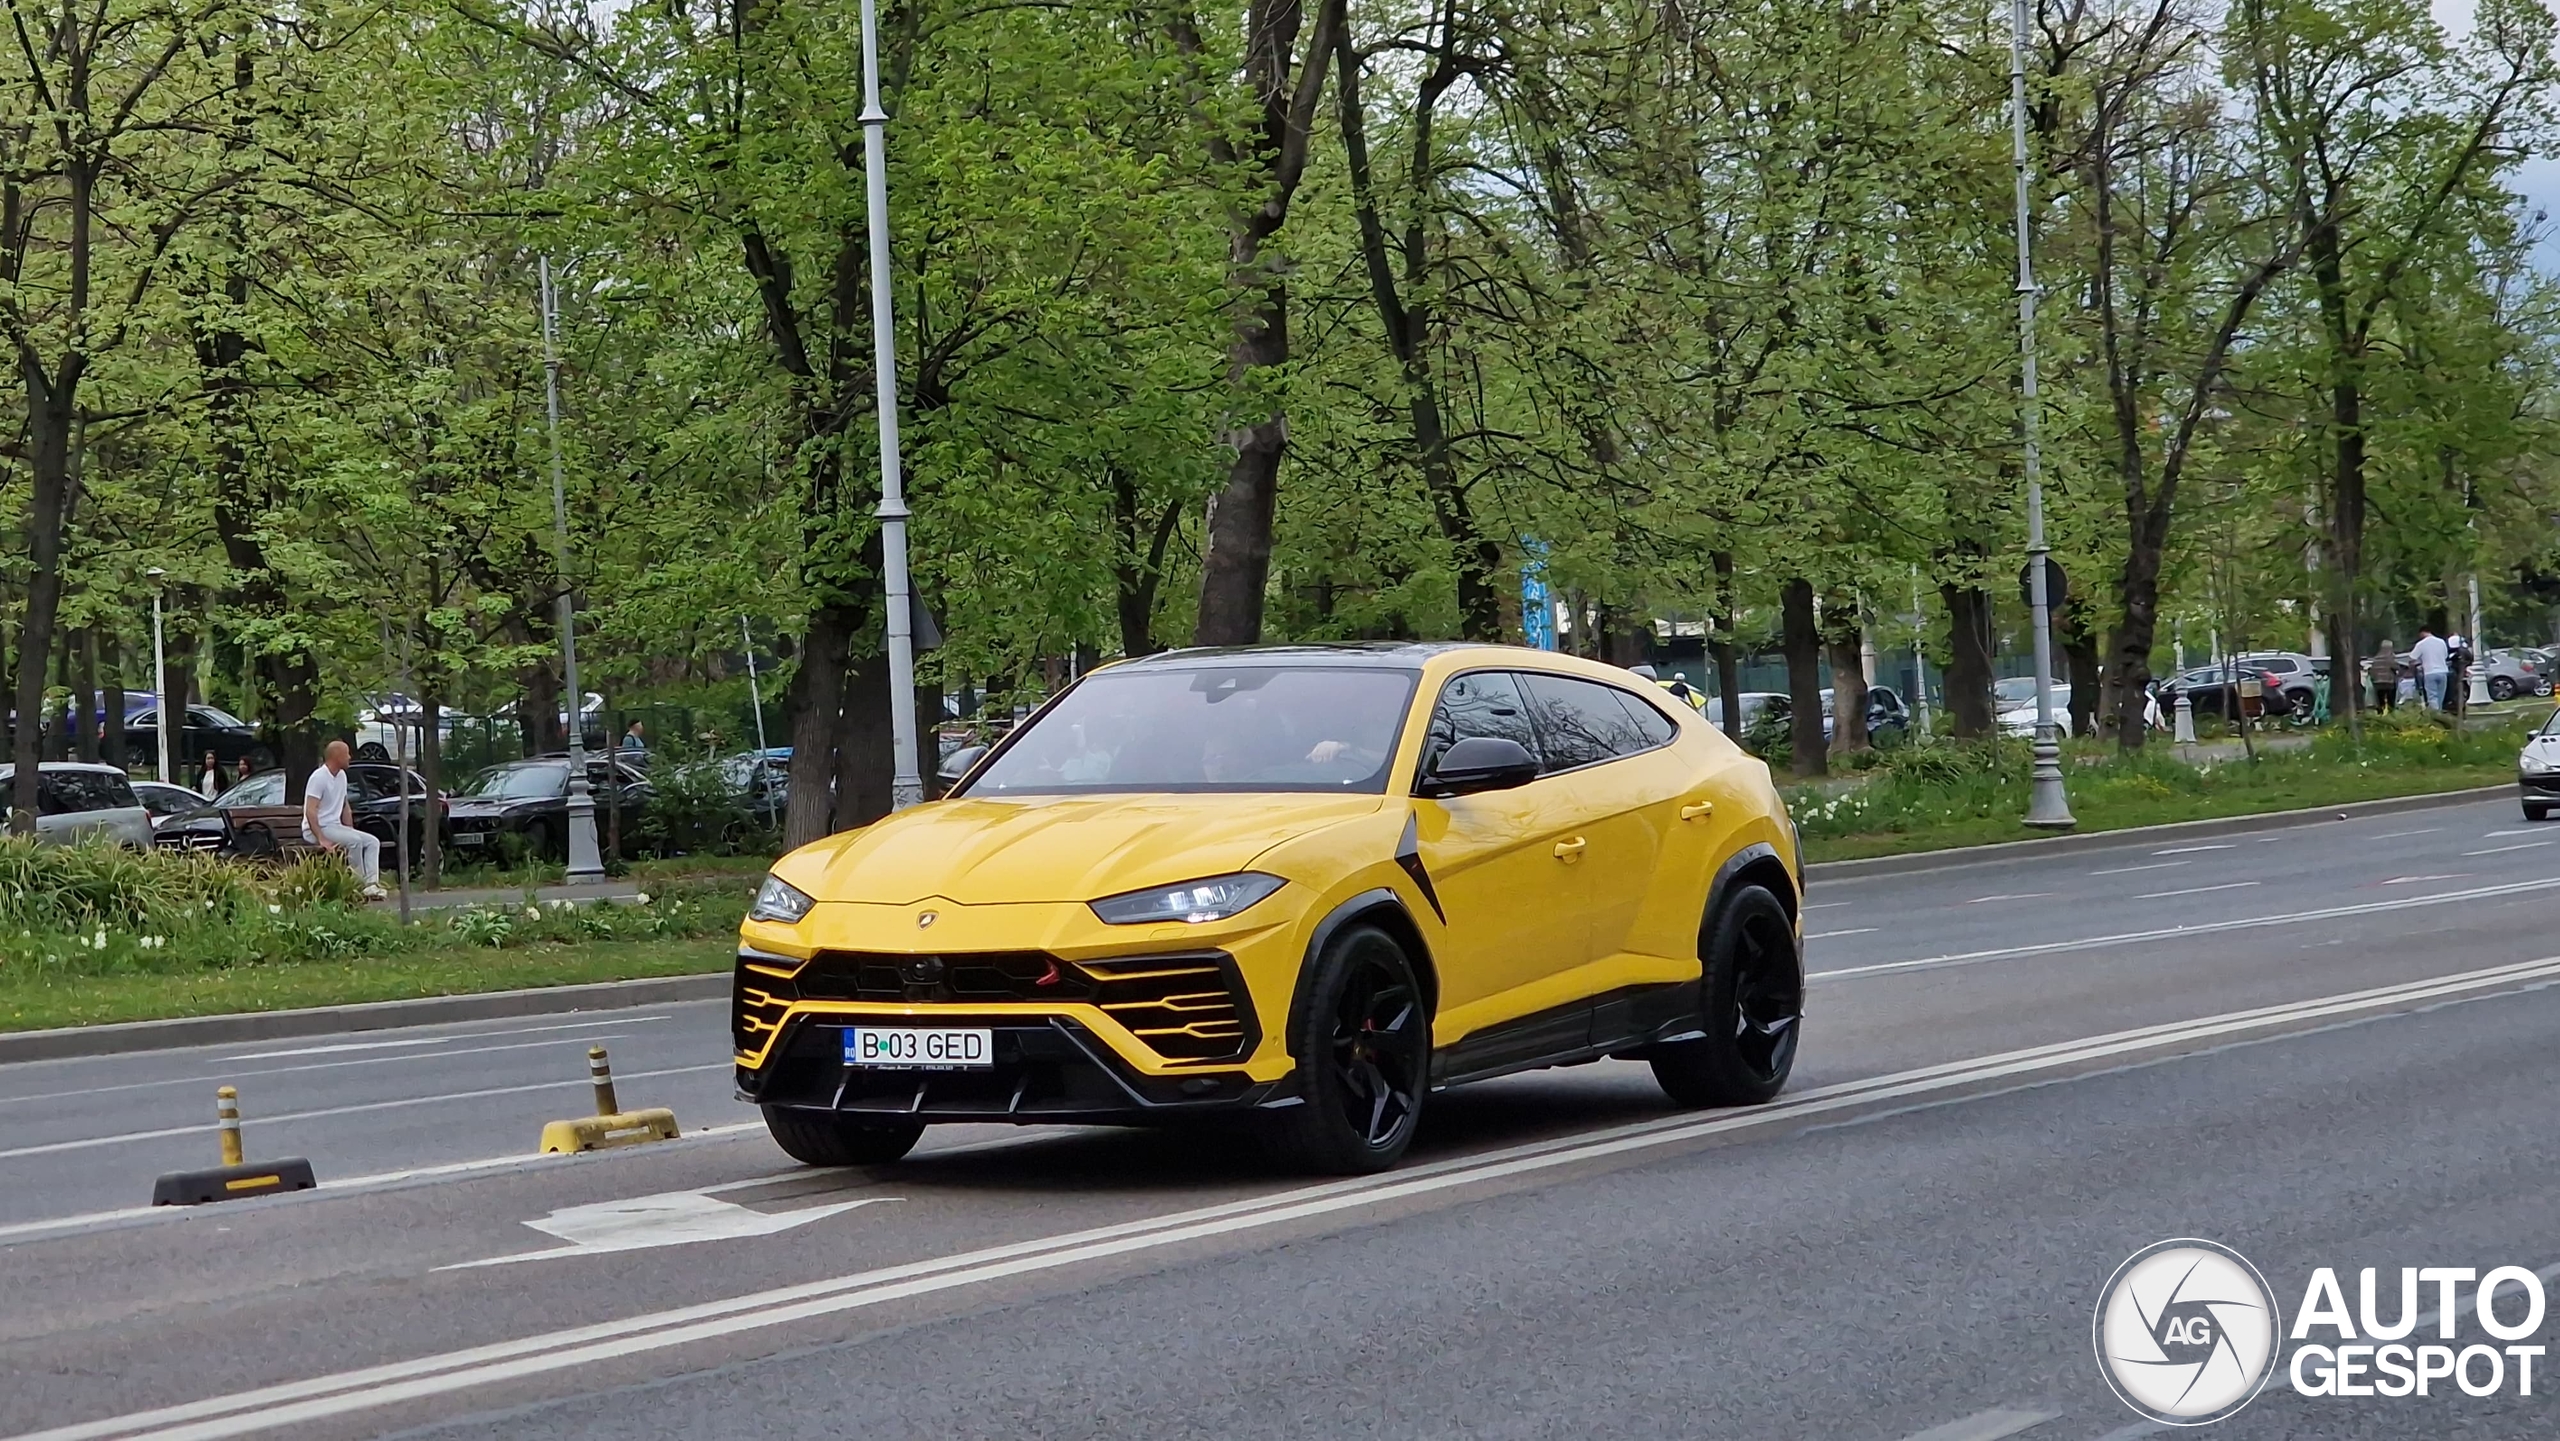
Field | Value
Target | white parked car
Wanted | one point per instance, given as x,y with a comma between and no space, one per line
77,801
2538,770
2013,702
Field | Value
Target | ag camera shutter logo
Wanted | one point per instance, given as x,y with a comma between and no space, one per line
2186,1332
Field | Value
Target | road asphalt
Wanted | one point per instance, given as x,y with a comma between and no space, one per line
2328,1045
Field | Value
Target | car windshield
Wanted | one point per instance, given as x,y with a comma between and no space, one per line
2551,727
1234,728
519,783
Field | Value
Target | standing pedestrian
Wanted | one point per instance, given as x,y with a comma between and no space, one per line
2384,671
209,781
329,822
242,771
2458,665
633,739
2435,662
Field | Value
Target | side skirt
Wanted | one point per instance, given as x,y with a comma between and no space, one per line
1616,1023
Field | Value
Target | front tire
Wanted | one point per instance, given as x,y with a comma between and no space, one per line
1754,984
2501,688
1364,1059
816,1138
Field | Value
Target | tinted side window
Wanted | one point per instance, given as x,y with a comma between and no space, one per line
1655,728
50,800
1580,722
1481,703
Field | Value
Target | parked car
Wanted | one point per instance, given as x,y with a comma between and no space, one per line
1886,713
253,818
78,801
2013,704
530,798
207,728
2288,678
2516,672
1753,703
2538,770
164,800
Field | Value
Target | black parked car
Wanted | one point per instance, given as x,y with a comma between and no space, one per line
253,818
207,728
530,798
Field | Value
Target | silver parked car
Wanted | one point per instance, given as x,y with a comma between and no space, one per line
77,801
2512,673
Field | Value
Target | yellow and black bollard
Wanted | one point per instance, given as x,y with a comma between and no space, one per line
610,1125
235,1177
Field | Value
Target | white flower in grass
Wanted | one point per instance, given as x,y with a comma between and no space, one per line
642,898
533,913
275,910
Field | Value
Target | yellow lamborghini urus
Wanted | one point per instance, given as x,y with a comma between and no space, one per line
1310,885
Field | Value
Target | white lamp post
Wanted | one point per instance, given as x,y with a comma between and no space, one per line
159,675
586,863
906,785
2047,807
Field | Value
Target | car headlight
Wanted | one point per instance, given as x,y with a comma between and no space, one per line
1213,899
2533,764
779,900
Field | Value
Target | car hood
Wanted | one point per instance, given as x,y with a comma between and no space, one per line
1057,848
464,807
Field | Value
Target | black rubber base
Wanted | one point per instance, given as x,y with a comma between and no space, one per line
232,1183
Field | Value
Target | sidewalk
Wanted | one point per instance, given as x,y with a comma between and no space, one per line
607,892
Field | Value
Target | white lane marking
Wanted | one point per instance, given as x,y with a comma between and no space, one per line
2502,850
2153,866
271,1407
2526,831
2269,840
2196,890
2022,896
2135,1431
2183,850
2395,835
669,1218
1827,905
214,1076
331,1050
2414,880
2201,928
1853,931
85,1142
1986,1426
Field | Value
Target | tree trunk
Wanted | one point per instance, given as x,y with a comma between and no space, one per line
1728,664
1968,673
431,772
1237,567
84,694
2079,645
54,495
1137,563
815,702
1844,638
112,751
1803,642
866,759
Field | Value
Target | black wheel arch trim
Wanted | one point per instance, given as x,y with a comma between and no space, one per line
1752,859
1367,903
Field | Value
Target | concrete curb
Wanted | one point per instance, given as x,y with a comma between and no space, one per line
2143,835
111,1040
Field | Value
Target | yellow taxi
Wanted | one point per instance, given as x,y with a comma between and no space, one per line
1306,886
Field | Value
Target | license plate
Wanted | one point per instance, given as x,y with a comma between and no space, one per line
469,838
919,1048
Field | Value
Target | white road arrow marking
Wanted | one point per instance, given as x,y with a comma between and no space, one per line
670,1218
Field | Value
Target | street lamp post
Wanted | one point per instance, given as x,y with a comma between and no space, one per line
585,862
906,785
159,675
2047,807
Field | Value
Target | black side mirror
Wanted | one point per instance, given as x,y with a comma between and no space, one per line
1480,763
956,764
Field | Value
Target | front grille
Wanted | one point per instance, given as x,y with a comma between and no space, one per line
1186,1008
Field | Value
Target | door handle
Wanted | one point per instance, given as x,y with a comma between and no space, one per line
1697,810
1571,850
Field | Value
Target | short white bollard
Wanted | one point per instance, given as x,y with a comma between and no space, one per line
2186,731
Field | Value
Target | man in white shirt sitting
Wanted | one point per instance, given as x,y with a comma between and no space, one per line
2435,662
330,823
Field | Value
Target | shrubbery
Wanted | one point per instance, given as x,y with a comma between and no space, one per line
98,910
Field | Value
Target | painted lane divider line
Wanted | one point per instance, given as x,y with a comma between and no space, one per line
458,1036
1986,1426
1853,931
2129,870
2502,850
268,1408
2201,928
2197,890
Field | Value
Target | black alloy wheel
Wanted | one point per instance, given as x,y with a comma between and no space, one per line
822,1138
1364,1058
2501,688
1754,1009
